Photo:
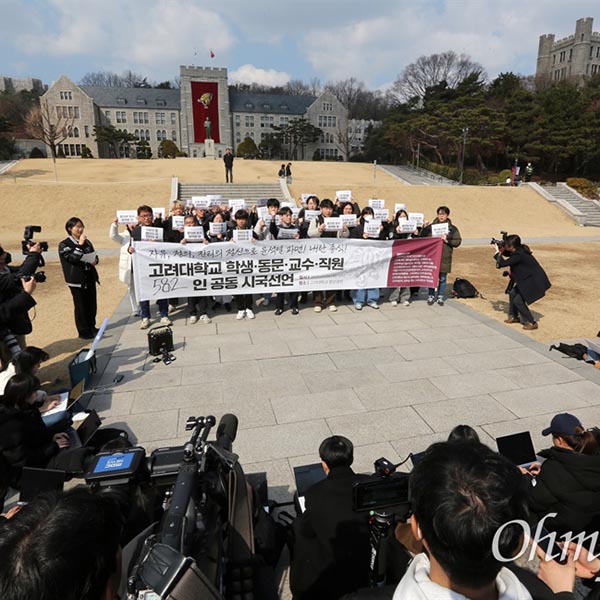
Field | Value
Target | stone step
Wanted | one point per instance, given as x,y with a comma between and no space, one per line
588,208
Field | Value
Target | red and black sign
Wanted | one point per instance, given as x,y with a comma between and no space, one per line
205,103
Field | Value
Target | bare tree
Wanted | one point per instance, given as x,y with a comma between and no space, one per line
347,91
297,87
315,86
431,70
345,138
52,128
102,79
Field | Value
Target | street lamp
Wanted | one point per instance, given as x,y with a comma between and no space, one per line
465,131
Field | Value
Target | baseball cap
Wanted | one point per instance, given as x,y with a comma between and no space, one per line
564,423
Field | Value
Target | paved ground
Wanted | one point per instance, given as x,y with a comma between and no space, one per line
392,380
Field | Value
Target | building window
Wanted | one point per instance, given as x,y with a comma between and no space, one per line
252,134
147,135
266,121
107,116
76,112
249,120
160,118
76,132
174,135
249,105
62,95
238,137
571,54
137,133
327,106
121,116
121,101
65,112
598,52
161,102
158,138
164,134
135,117
72,149
86,131
283,106
237,120
146,119
284,121
173,119
140,101
78,149
59,112
553,59
70,113
69,131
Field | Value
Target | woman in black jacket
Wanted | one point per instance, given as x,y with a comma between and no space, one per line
79,260
529,281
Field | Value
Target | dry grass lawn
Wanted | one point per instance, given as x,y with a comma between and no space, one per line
95,189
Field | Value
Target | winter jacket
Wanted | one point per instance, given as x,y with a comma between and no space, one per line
313,230
124,256
77,273
531,280
228,160
453,240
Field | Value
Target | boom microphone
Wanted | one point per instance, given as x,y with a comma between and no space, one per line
227,431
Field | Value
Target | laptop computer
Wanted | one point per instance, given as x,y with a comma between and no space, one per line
68,400
518,448
306,476
593,345
85,429
36,481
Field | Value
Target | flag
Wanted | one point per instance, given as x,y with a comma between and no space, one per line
212,54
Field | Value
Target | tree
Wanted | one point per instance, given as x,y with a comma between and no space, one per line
7,143
50,127
247,149
86,152
297,133
271,146
429,71
168,149
142,149
126,79
117,140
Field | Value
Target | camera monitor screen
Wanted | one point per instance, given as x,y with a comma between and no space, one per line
381,493
517,447
109,465
113,462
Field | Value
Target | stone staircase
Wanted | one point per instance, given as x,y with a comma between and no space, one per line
589,209
413,176
250,192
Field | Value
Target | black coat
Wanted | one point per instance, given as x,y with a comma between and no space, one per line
77,272
331,549
453,240
24,441
531,280
569,484
228,160
358,231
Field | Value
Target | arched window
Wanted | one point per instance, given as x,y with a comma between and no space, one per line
76,132
158,138
174,135
69,131
147,135
137,133
164,134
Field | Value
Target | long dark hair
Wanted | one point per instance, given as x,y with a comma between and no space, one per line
18,389
582,442
514,241
27,359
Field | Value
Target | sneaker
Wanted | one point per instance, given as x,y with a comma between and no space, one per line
394,303
295,311
205,319
430,301
318,309
406,303
278,312
249,314
333,308
441,301
240,315
166,321
373,305
358,306
145,323
193,319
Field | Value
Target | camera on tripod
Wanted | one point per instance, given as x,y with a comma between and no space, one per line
28,240
501,244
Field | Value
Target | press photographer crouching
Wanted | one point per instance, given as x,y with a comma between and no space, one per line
528,281
17,285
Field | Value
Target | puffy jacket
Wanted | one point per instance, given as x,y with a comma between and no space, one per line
453,240
77,273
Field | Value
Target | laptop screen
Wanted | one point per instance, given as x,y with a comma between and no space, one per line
76,391
88,427
308,475
517,447
37,481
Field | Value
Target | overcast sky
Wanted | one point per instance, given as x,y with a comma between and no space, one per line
272,41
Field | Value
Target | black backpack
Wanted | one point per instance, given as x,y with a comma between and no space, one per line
463,288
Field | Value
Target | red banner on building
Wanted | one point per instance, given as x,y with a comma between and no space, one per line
205,105
415,263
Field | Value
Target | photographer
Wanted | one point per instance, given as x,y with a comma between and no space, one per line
529,281
16,297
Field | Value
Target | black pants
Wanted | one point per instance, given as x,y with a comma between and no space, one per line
292,300
84,300
517,307
244,301
198,305
229,174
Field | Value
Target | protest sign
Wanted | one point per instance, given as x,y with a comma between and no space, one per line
177,222
383,214
372,228
407,226
376,203
242,235
399,206
193,234
309,215
439,229
200,201
287,234
152,234
418,217
217,228
333,224
127,217
164,270
344,195
348,220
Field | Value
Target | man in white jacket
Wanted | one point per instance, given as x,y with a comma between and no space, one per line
461,493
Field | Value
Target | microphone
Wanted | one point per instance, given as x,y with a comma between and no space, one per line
227,431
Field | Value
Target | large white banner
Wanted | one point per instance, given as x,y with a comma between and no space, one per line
166,270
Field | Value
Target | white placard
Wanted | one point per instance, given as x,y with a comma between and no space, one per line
372,228
344,195
90,257
127,217
237,203
309,215
242,235
287,205
407,226
418,217
152,234
215,199
376,203
305,197
177,222
333,224
383,214
348,220
193,234
439,229
159,213
399,206
200,201
295,211
216,228
287,234
263,212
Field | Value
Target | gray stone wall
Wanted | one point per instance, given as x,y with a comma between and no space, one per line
14,85
330,115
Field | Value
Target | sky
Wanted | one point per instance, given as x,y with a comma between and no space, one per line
274,41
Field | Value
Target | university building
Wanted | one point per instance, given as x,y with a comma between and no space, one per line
203,108
575,56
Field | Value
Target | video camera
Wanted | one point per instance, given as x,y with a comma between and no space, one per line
203,539
39,277
501,244
28,240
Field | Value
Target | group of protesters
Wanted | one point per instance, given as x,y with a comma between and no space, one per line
281,222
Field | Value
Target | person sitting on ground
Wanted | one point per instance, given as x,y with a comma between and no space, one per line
459,498
568,481
331,551
580,352
41,561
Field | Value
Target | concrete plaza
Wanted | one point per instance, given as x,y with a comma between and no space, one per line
393,380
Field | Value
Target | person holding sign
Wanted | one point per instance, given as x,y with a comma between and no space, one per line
125,268
146,219
243,301
312,204
177,210
78,260
316,229
451,240
398,231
